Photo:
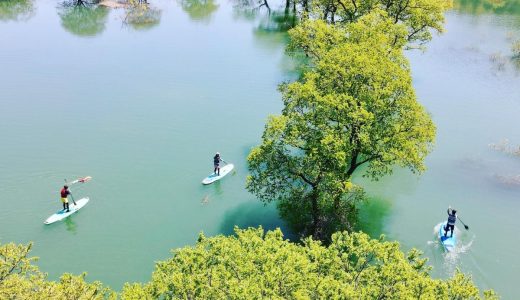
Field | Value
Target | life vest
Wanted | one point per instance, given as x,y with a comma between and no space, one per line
64,193
216,160
452,219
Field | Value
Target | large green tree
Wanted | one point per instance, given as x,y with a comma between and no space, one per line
355,109
258,265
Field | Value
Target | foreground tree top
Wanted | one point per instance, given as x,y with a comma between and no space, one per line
255,264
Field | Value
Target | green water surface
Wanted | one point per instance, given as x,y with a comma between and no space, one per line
142,109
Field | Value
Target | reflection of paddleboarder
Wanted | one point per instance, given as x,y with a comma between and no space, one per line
216,163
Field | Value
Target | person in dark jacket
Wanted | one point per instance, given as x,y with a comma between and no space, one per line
452,218
216,163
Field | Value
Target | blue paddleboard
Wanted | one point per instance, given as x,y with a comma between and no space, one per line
447,241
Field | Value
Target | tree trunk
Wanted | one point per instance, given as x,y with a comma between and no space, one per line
305,4
315,213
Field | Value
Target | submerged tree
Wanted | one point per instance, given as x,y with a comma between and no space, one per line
141,15
16,10
262,265
355,109
83,18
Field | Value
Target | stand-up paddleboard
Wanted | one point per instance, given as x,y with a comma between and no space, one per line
223,172
447,241
62,214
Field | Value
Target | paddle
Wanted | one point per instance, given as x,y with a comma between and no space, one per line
71,197
465,226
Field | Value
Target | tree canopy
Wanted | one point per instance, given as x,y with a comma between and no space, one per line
20,279
420,17
255,264
355,108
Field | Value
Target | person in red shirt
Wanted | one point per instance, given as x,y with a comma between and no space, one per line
64,197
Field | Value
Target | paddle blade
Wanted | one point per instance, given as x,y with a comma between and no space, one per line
82,180
466,226
85,179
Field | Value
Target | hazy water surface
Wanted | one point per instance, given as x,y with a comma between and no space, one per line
142,109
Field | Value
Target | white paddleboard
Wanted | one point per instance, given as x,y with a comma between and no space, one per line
223,172
62,214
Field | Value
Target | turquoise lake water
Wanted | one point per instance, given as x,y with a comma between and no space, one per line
142,111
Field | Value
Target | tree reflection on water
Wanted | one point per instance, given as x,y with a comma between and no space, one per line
82,19
199,10
16,10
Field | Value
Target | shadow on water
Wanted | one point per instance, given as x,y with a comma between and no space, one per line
372,215
199,10
254,214
83,20
16,10
217,187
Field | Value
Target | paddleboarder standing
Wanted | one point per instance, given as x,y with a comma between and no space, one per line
216,163
64,193
452,218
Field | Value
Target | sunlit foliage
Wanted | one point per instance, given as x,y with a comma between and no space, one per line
255,264
355,109
262,265
20,279
420,17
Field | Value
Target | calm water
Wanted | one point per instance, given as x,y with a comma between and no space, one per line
142,109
